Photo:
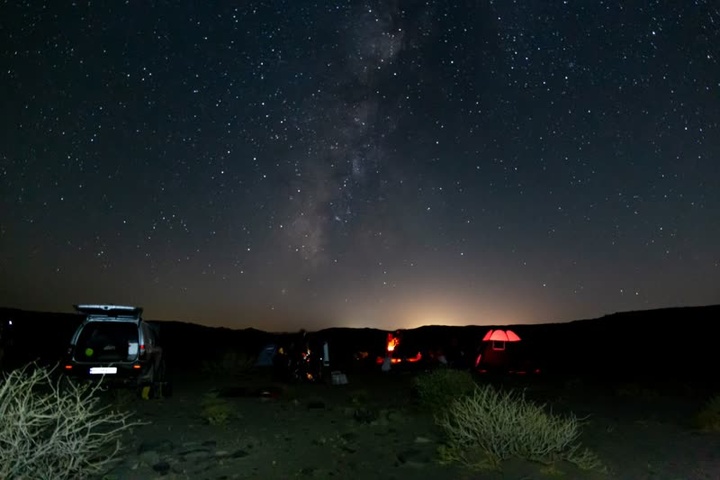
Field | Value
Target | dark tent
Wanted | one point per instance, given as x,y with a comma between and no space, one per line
267,355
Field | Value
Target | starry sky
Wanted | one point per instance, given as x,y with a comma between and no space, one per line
395,163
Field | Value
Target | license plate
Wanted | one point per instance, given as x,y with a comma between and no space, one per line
103,370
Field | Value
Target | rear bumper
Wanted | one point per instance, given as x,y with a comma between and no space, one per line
124,375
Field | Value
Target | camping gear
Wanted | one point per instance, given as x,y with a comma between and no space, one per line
338,378
326,355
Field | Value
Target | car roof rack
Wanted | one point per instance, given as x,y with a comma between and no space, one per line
109,310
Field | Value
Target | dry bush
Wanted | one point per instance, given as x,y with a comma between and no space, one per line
637,392
490,426
216,410
360,397
438,388
229,363
54,431
708,419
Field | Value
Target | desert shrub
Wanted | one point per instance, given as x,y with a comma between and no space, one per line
490,426
708,418
573,384
438,388
56,430
216,410
121,398
229,362
360,397
637,391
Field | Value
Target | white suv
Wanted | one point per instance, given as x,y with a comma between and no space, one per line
115,344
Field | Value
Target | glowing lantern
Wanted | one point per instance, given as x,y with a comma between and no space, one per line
416,358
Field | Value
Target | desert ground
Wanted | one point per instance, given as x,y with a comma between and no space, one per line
634,379
373,428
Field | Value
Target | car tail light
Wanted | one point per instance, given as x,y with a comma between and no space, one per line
68,367
136,367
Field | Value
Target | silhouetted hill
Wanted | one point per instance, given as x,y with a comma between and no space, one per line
39,335
189,344
673,341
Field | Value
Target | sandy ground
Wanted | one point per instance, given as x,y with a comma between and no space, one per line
372,429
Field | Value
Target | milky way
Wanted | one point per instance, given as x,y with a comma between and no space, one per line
338,177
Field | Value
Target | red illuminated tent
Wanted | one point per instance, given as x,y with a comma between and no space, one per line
494,354
501,336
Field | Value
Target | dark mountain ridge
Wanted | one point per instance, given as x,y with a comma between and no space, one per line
673,341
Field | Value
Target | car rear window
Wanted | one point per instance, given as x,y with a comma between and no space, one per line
107,342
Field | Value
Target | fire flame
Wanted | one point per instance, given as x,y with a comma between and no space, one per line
392,342
395,360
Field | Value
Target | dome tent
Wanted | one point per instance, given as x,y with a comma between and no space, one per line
266,357
498,351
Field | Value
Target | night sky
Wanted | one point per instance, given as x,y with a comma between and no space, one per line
288,164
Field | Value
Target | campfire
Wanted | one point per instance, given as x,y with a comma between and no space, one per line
393,341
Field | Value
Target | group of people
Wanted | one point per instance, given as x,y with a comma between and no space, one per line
300,361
